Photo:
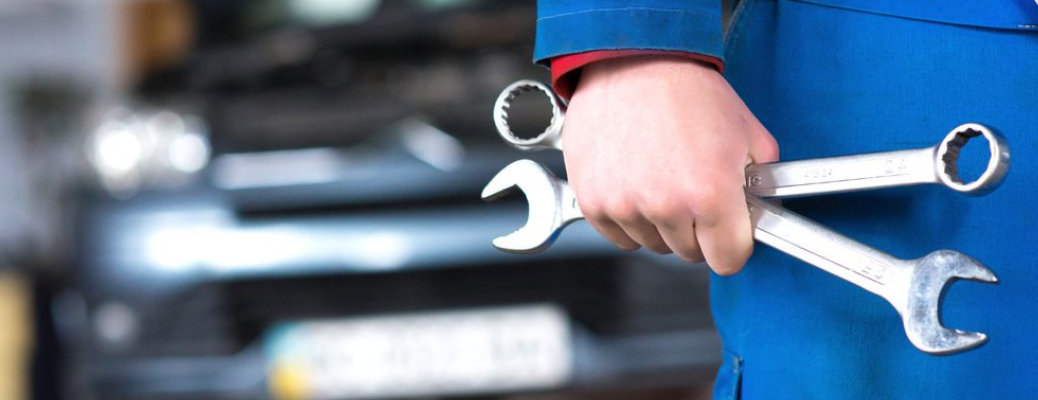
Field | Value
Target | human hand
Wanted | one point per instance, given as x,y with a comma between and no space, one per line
656,150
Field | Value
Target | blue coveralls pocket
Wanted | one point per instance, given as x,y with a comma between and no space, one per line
729,378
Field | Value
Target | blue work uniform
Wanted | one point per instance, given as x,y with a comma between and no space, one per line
834,77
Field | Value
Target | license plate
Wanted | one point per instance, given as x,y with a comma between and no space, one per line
488,350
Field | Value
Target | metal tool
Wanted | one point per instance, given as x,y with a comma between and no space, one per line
550,138
936,164
913,287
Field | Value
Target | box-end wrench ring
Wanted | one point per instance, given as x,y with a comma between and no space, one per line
914,287
937,164
550,138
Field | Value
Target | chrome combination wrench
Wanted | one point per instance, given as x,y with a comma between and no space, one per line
913,287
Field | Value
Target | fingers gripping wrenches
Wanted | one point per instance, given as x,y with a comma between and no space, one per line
913,287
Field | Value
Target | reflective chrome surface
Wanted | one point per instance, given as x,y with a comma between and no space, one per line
913,287
932,165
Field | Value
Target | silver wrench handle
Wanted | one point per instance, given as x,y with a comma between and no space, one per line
937,164
852,261
842,174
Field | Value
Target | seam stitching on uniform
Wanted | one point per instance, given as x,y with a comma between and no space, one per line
892,15
737,29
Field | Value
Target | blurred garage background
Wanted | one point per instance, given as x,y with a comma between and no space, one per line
264,199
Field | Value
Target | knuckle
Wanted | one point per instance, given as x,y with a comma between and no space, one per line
593,205
770,153
622,210
705,199
772,149
592,210
663,209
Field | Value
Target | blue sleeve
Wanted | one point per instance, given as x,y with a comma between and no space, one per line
577,26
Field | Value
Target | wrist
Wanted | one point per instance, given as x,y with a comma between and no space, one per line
566,70
642,70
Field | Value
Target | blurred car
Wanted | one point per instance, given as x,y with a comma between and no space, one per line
332,245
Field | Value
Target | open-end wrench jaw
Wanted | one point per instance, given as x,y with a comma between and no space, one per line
931,277
547,198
